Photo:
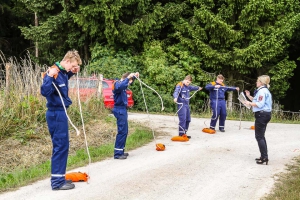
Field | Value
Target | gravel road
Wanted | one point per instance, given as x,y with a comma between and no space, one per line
209,166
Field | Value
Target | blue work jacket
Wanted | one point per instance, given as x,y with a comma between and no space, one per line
119,91
48,90
218,93
182,92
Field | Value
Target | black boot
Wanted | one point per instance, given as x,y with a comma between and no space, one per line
262,161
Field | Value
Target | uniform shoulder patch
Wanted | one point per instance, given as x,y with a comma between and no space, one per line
260,98
55,76
113,85
179,84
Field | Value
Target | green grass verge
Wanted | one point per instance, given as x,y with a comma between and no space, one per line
287,186
21,177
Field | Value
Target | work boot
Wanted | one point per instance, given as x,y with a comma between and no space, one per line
66,186
122,157
222,130
69,181
126,154
188,136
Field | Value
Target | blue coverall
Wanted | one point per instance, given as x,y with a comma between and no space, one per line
120,112
218,103
57,124
182,93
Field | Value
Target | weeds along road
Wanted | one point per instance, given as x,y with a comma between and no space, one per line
217,166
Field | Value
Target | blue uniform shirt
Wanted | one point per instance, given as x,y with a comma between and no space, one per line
217,93
51,94
263,100
182,92
119,91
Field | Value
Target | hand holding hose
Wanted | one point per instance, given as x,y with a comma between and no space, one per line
52,71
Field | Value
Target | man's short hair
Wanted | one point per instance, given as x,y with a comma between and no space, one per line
125,75
189,78
73,55
220,76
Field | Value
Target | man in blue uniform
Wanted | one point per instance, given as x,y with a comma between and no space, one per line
217,90
120,112
56,117
181,96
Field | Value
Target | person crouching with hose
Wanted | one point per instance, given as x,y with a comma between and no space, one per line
55,89
217,90
120,112
182,98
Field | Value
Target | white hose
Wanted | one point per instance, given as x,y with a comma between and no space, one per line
63,103
162,103
86,144
77,131
182,106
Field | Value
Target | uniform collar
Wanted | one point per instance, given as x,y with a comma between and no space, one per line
59,65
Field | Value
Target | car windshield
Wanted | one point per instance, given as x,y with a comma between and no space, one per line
104,85
83,83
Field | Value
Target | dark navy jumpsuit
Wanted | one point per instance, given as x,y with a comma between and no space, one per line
57,124
120,112
182,93
263,99
218,103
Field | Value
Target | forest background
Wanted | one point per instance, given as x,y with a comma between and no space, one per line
164,41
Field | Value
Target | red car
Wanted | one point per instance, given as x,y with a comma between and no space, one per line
89,87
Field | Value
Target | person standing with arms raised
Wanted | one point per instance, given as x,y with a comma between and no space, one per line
217,90
120,112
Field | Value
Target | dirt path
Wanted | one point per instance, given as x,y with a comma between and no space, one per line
219,166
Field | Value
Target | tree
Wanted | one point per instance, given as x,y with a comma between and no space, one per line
12,14
242,38
57,31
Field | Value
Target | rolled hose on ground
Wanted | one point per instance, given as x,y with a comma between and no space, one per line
160,147
209,131
182,138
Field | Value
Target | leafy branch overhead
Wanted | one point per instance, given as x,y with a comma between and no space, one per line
166,40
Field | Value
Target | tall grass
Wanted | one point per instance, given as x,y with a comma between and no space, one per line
288,185
21,106
23,176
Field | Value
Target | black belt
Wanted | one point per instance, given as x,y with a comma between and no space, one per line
261,111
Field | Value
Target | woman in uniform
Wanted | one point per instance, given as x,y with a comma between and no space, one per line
262,107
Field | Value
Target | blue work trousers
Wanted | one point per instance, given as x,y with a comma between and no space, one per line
184,116
58,127
218,107
261,120
122,123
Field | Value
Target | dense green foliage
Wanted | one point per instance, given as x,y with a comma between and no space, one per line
166,40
